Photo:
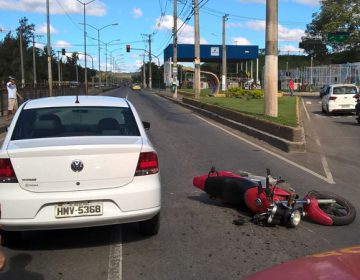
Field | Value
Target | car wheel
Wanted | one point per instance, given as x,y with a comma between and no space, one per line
11,238
150,227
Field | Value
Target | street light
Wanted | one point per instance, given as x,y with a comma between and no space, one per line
98,31
106,44
84,4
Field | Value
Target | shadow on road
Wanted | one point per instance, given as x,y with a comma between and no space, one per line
66,238
16,269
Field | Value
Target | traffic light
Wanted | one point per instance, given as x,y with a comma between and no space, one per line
127,48
63,52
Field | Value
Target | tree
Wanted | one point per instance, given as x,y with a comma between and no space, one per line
335,29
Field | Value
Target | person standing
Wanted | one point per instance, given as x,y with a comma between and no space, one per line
291,86
12,97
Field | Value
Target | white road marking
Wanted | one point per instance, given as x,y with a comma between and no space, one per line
306,111
324,162
269,152
115,256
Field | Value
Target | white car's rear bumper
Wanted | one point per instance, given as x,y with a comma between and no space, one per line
23,210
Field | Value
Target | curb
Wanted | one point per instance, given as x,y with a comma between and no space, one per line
290,140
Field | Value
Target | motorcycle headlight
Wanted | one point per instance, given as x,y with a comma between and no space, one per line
271,213
295,218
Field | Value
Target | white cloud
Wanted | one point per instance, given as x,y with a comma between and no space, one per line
308,2
137,13
240,41
40,45
62,44
291,49
234,24
96,8
186,34
285,34
305,2
42,29
253,1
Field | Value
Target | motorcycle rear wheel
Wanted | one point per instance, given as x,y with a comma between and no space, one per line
342,212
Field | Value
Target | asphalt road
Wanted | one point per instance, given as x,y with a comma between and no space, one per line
197,239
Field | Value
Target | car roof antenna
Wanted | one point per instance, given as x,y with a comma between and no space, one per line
77,99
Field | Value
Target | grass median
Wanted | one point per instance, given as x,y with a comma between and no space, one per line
287,114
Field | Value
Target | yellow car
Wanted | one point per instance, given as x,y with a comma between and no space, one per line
136,87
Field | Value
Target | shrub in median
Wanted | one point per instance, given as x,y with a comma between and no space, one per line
238,92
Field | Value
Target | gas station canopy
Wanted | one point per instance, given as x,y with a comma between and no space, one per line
212,53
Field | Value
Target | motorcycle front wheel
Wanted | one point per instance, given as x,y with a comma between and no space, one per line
342,212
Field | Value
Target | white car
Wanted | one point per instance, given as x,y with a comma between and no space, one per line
70,162
339,98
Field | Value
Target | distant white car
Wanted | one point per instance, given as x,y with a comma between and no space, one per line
70,162
339,98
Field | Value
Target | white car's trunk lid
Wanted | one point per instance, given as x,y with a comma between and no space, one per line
74,164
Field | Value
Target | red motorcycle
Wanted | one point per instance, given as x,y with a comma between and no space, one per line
273,201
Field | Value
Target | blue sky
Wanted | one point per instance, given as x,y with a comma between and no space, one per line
245,24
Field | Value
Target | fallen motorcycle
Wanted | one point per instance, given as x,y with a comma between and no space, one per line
273,200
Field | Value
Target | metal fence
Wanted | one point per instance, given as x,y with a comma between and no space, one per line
317,76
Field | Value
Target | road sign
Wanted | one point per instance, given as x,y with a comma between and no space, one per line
338,37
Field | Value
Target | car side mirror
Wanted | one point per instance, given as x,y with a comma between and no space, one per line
146,125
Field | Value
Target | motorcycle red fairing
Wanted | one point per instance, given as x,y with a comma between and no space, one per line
234,188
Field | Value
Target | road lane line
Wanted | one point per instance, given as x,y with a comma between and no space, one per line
324,162
306,111
115,255
326,179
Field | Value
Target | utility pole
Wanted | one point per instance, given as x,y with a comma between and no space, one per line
197,50
224,66
34,62
150,78
271,59
175,68
22,58
144,73
50,82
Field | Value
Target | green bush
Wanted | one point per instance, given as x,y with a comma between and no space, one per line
238,92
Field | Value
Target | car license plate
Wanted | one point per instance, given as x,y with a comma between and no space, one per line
77,209
345,106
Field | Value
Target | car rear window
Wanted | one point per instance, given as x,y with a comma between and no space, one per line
75,121
345,90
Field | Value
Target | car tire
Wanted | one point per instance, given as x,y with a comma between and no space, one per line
150,227
11,238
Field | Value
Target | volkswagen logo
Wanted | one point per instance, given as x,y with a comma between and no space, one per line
77,165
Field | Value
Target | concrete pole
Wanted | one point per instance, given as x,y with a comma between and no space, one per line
224,66
22,58
34,62
50,80
144,72
150,78
175,68
98,30
197,50
59,69
86,81
271,59
257,71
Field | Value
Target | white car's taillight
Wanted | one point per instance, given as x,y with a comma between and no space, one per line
7,173
147,164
